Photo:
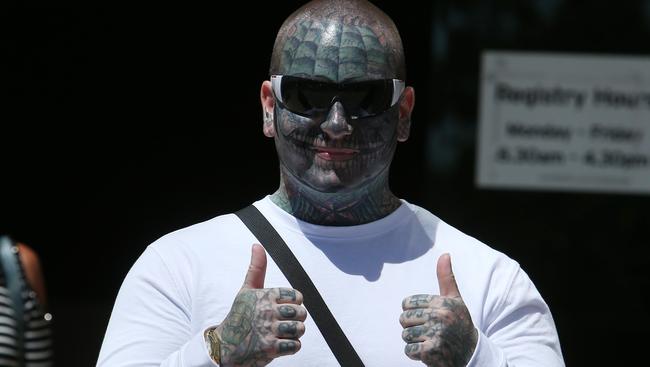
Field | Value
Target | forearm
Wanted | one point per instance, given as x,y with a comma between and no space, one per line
150,324
142,352
521,331
526,352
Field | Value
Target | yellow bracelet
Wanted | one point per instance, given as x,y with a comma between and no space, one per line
214,344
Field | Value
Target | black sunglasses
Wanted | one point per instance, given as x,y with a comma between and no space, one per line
312,98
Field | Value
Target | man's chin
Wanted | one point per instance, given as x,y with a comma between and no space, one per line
333,186
326,181
327,186
330,189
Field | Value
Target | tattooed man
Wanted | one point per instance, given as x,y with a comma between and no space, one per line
336,106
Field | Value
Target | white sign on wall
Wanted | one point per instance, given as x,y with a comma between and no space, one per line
564,122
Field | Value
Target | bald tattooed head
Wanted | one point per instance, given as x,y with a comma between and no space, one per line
339,40
338,67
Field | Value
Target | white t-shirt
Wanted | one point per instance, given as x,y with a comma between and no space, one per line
187,280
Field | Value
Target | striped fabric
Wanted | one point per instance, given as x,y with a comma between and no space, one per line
38,335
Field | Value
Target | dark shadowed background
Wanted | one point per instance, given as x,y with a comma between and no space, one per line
123,123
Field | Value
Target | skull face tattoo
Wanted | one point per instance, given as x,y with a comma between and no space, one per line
309,152
331,151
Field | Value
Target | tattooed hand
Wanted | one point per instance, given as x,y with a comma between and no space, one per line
263,323
438,329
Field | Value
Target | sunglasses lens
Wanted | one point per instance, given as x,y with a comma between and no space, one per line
366,98
360,99
305,97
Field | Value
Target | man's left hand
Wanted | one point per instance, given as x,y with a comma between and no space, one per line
439,329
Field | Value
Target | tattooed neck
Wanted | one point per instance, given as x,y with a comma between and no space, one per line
369,203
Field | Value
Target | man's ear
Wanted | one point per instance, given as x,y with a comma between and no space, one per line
406,104
266,97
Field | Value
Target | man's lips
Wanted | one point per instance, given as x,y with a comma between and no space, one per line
335,154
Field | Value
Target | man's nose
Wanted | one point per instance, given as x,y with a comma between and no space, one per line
336,125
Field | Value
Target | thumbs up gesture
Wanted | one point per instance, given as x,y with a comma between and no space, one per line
438,330
263,323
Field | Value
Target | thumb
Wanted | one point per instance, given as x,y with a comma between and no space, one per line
446,279
257,268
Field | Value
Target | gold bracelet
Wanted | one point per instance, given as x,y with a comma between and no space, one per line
214,344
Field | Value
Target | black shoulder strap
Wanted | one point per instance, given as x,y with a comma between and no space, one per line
15,285
287,262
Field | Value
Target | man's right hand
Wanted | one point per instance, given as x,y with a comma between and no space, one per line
263,323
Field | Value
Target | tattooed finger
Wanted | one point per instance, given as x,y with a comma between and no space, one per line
417,301
412,350
430,353
288,295
285,347
416,316
417,333
290,312
288,329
